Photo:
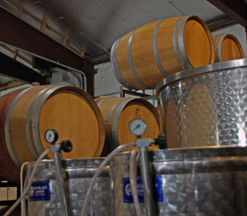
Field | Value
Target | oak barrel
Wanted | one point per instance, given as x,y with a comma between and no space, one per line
145,56
26,115
227,47
117,114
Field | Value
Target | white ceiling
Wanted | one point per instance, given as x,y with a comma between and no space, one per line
95,24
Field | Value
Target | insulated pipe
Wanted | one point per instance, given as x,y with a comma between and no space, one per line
78,82
70,74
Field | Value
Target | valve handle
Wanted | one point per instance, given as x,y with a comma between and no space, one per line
66,145
161,141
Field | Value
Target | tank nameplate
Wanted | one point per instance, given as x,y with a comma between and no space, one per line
40,191
157,190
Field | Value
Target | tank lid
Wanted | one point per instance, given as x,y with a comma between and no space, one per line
200,70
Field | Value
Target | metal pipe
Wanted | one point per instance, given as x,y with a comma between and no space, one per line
61,184
146,181
54,62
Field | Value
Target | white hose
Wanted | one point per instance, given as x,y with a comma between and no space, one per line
99,170
134,157
29,183
23,203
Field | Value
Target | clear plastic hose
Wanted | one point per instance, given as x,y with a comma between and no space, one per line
99,170
23,203
29,183
134,157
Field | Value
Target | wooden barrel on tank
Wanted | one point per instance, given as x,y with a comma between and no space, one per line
26,115
117,114
227,47
145,56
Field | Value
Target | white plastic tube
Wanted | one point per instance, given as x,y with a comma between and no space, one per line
134,157
99,170
23,203
29,183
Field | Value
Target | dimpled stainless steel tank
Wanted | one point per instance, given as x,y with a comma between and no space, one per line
205,106
188,182
43,198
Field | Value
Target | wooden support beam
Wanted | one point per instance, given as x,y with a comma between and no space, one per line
236,9
80,51
11,85
15,54
21,8
20,34
44,21
12,68
65,37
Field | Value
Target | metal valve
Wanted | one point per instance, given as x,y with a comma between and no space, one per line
51,136
66,146
161,141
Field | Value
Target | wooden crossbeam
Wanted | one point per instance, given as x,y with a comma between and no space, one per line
11,85
14,69
20,34
236,9
44,25
44,21
16,54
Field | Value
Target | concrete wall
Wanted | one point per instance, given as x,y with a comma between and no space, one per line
105,84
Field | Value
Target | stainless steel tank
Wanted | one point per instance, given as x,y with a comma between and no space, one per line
188,182
205,106
43,198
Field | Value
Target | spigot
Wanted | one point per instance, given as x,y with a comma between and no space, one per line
161,141
66,146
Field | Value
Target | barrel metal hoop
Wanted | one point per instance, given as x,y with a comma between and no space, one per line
36,114
35,120
219,46
131,62
155,51
100,102
123,82
181,43
115,120
175,48
112,110
37,111
7,128
215,38
112,63
29,113
115,139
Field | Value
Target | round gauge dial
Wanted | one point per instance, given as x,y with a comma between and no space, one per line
51,136
137,126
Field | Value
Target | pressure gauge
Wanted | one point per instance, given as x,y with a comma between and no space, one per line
51,136
137,126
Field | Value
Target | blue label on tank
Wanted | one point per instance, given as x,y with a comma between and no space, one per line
40,191
157,190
